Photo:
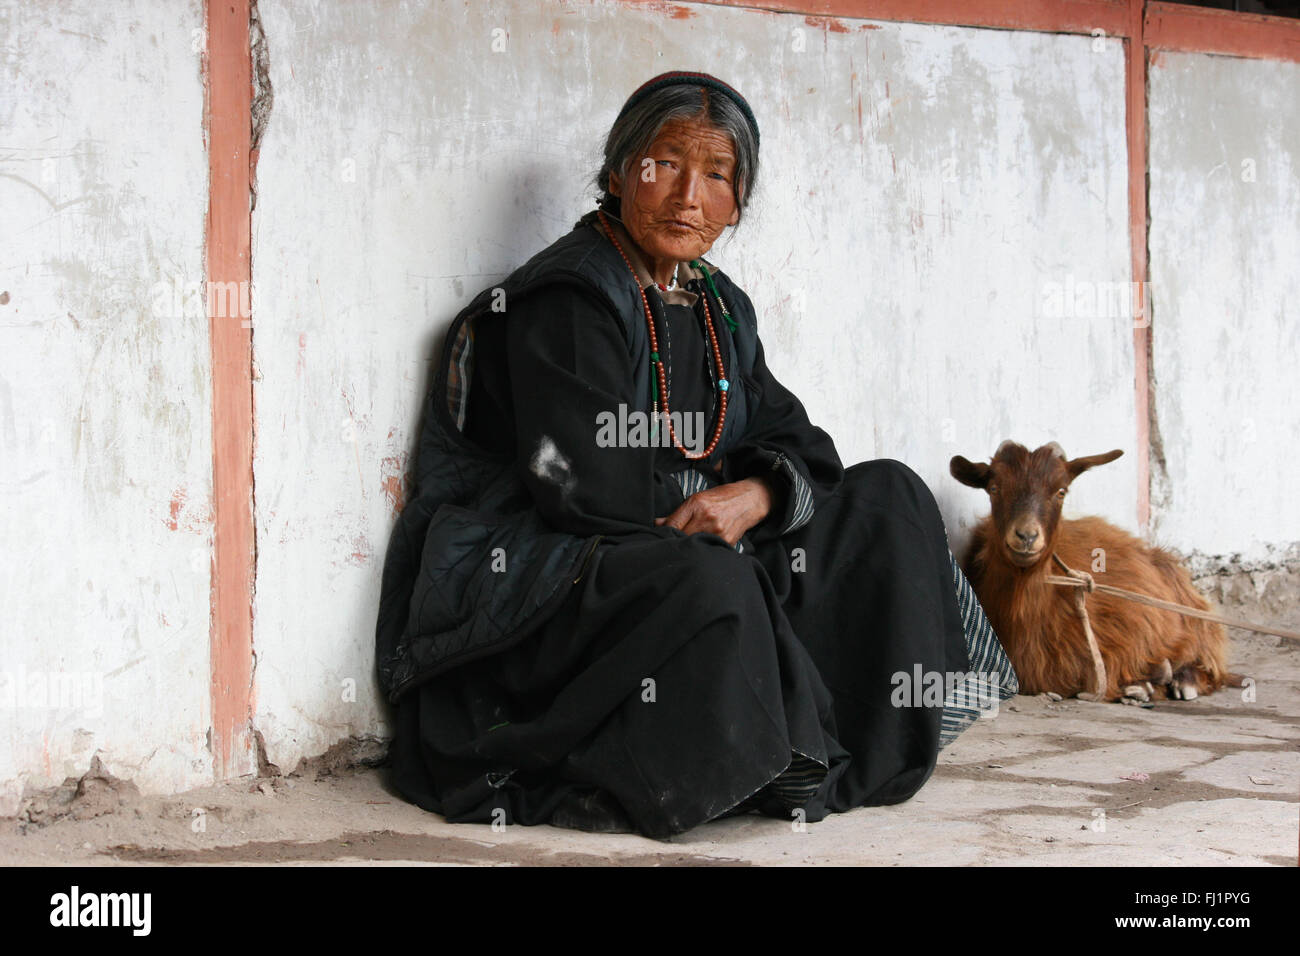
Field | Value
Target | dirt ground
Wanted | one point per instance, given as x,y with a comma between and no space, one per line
1207,782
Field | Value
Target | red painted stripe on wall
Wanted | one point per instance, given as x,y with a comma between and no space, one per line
1171,26
1135,93
228,123
1054,16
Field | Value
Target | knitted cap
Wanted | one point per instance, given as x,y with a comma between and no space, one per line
686,78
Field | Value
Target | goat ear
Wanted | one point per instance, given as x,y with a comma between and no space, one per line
969,473
1079,465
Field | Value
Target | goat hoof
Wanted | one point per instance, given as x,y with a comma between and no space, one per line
1085,695
1053,695
1184,685
1136,693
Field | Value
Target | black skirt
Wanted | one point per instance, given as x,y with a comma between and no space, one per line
683,679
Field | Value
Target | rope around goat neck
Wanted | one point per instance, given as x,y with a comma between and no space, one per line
1086,585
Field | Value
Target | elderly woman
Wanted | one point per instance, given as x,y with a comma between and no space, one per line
635,588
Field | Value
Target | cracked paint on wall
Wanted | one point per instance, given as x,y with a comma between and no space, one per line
104,392
1225,243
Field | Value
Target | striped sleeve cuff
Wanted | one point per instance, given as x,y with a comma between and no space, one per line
691,482
799,508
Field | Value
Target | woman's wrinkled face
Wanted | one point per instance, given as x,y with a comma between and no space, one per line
679,197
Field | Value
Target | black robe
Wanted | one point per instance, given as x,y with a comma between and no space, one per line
681,677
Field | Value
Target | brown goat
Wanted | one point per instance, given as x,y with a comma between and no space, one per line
1011,552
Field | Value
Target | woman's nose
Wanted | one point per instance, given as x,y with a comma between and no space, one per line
687,186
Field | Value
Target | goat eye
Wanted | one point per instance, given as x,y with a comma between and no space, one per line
992,489
1060,493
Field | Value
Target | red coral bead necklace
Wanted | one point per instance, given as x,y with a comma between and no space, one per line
722,384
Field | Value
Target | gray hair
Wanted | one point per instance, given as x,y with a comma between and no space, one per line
632,134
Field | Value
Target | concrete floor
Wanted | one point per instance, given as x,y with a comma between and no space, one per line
1211,781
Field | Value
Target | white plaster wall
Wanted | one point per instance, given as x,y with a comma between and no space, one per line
925,190
1225,275
922,189
105,422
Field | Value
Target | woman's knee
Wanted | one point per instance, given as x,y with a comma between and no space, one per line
891,480
891,473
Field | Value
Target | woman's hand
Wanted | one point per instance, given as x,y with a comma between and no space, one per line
727,510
